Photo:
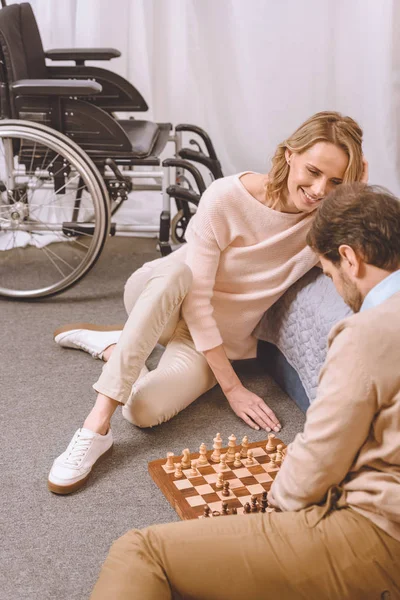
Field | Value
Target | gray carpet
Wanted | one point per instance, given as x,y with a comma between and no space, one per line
52,547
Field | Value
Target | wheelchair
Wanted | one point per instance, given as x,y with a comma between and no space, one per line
67,164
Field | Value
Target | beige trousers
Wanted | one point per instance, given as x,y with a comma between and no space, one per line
153,298
320,553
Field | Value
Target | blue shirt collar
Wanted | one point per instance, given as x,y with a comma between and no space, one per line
382,291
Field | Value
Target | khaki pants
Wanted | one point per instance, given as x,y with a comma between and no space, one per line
321,553
153,298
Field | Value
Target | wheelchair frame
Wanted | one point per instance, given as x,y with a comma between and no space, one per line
65,110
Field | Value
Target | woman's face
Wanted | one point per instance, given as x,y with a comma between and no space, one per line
313,174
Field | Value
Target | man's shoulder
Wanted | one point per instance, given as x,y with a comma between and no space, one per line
380,322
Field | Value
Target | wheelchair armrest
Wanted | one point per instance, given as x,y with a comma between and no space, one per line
213,165
183,164
202,134
79,55
55,87
183,194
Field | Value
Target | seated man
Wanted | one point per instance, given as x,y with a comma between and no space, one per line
337,534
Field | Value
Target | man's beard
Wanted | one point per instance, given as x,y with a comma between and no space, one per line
351,294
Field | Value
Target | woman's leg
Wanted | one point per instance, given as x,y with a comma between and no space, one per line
181,376
278,555
159,301
100,340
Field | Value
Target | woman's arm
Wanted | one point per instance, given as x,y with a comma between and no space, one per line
209,233
248,406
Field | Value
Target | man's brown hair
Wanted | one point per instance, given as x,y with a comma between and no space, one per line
365,217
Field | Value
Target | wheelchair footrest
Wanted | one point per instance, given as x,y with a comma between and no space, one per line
74,229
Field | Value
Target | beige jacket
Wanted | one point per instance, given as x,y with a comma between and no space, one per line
352,432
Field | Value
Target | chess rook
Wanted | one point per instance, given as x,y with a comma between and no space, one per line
270,447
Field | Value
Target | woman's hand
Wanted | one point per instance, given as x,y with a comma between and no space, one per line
364,176
252,409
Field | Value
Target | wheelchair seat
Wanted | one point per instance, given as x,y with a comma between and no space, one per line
145,136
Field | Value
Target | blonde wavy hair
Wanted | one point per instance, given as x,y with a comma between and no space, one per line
327,126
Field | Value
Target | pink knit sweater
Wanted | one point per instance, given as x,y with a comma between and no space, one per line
243,256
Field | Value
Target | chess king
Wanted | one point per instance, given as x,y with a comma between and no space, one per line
337,533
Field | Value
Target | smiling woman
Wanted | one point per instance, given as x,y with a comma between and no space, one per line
322,153
245,246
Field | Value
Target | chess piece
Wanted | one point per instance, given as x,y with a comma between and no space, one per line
226,491
234,510
250,460
254,504
247,508
272,462
215,456
279,454
244,447
178,470
207,511
237,462
169,465
202,461
230,455
225,510
216,513
223,465
220,481
270,447
264,502
185,461
193,470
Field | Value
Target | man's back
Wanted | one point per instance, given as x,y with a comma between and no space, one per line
359,386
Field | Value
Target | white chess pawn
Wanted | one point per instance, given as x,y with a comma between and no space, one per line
202,461
193,470
250,459
245,447
279,454
185,458
237,462
220,481
215,456
169,465
272,462
270,447
230,455
223,465
178,471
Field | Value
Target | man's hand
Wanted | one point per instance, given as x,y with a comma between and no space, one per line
365,173
252,409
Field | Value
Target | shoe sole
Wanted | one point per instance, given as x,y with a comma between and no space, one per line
63,490
89,326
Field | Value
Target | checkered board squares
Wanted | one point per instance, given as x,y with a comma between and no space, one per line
190,494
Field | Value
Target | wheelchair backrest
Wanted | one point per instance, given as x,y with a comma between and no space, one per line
23,56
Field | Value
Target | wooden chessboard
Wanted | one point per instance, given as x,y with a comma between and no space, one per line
189,495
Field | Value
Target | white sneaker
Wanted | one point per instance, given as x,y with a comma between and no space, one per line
93,339
72,468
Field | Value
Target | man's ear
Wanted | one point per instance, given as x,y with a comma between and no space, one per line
350,261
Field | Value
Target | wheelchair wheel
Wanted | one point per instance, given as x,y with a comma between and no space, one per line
54,211
179,224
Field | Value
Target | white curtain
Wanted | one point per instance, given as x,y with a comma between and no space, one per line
250,72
